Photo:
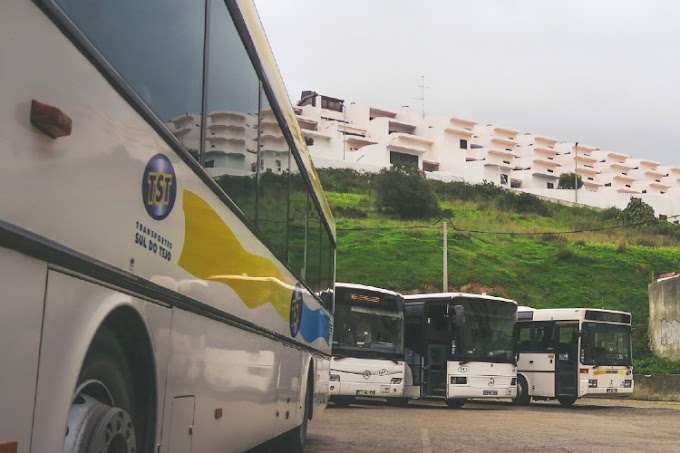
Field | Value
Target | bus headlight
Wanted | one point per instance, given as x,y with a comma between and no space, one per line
395,380
592,383
628,383
335,377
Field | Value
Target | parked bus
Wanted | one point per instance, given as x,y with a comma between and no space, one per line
368,345
460,346
569,353
163,234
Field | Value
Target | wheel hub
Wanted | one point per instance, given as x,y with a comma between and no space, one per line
96,427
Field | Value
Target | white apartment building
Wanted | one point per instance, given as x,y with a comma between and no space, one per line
449,148
536,162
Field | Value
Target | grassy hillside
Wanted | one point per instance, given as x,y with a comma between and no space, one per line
539,253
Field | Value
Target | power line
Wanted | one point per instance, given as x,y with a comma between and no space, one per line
509,233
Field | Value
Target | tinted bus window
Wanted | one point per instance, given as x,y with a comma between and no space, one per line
233,107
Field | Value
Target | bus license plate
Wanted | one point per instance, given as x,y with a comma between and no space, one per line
612,390
366,392
490,392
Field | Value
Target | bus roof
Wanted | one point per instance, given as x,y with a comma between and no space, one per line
561,314
366,288
454,295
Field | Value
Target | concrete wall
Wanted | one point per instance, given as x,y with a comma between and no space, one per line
664,318
657,388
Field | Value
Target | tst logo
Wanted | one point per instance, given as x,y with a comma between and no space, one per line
159,187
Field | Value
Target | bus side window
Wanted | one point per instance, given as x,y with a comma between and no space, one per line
543,336
524,339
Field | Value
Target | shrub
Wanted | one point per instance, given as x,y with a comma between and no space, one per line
637,213
567,181
404,190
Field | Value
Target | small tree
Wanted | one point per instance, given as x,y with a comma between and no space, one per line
637,212
404,190
567,181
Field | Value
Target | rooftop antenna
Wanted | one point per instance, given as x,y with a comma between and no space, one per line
422,93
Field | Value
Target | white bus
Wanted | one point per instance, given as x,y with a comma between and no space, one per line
460,346
368,345
151,303
569,353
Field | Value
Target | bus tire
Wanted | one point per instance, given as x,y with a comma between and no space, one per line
102,413
456,403
294,440
523,398
566,401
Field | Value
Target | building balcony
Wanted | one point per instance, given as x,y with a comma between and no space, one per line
228,118
581,170
654,174
227,129
624,179
358,142
503,142
659,186
544,151
409,143
351,130
381,113
538,171
460,126
316,134
222,139
505,132
401,127
619,167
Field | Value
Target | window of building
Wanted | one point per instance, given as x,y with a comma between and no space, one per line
209,164
504,179
463,144
403,158
551,185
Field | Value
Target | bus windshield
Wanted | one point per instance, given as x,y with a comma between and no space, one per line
486,333
605,344
373,330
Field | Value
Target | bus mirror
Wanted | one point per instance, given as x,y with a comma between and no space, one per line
460,315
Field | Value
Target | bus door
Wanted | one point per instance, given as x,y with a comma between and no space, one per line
566,366
540,361
436,341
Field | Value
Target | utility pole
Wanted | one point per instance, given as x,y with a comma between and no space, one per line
446,266
576,173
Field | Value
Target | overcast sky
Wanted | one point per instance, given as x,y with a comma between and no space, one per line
605,73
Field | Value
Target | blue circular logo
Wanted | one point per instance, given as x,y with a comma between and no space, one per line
296,310
159,187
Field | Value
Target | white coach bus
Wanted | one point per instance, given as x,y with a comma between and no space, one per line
368,345
163,234
460,346
569,353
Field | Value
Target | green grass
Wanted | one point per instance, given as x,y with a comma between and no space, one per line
598,269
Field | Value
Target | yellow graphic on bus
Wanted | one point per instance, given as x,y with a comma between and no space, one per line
213,252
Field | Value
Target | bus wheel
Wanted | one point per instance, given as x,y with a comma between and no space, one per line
456,403
101,414
523,398
294,440
566,401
